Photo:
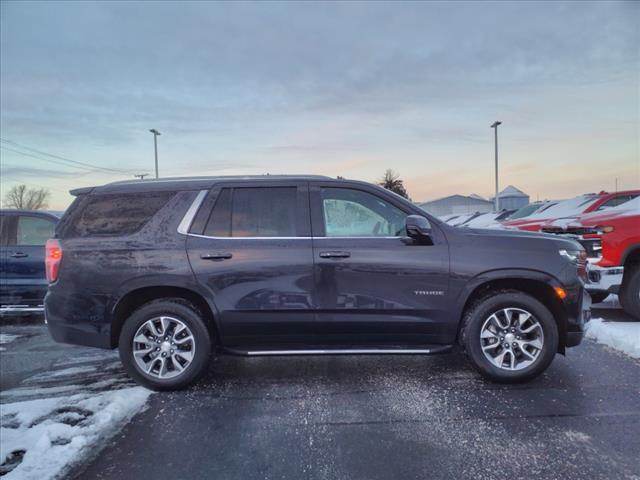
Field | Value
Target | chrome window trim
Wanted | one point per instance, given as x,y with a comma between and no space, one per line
187,220
282,238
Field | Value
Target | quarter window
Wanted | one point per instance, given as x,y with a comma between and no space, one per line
354,213
254,212
34,230
115,214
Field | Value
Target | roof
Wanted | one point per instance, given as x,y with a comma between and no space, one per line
464,198
512,191
188,183
475,195
17,211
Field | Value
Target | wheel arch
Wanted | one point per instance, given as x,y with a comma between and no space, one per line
134,298
537,284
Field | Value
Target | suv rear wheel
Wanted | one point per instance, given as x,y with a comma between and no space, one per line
165,345
510,336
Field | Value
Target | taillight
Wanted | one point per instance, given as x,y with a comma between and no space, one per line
52,259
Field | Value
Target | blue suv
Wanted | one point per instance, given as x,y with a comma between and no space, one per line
23,285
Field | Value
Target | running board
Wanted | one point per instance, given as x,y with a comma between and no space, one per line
20,309
340,351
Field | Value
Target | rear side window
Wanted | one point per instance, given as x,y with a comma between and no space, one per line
34,230
615,201
115,214
254,212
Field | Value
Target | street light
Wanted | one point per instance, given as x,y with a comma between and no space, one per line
155,146
495,131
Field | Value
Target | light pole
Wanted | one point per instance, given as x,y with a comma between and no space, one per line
495,132
155,146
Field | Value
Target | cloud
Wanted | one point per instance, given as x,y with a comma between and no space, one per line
326,87
34,172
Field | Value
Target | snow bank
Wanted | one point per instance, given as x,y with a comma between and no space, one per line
56,432
623,336
7,338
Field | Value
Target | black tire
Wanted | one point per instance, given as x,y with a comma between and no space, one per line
189,316
598,297
481,310
629,295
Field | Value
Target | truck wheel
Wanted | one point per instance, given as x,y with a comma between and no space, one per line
509,336
165,345
630,291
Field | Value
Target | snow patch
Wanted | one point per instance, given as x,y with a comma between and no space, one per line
54,433
7,338
623,336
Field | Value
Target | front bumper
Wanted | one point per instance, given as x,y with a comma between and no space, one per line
601,279
576,325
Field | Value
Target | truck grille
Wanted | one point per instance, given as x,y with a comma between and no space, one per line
593,246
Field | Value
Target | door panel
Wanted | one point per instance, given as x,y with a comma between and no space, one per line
23,274
380,289
254,256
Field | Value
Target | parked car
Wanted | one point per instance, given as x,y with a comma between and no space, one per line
571,208
611,239
527,210
172,270
23,284
487,220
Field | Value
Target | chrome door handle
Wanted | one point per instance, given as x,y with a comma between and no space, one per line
19,255
216,256
335,254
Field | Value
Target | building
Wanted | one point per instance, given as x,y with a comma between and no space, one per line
457,204
512,198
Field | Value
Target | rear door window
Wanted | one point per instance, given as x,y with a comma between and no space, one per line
254,212
34,231
115,214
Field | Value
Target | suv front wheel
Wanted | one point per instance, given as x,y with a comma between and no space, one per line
510,336
165,345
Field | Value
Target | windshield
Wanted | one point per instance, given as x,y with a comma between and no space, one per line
525,211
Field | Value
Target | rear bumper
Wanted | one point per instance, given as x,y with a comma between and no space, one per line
76,324
604,279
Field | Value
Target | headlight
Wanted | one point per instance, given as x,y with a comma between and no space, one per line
598,230
578,258
574,256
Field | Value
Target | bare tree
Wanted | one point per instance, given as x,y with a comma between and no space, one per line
19,196
391,181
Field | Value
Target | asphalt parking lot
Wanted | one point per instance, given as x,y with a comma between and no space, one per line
369,417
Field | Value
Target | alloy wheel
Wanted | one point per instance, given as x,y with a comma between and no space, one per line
511,339
163,347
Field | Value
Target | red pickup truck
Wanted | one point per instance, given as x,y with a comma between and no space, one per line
611,238
571,208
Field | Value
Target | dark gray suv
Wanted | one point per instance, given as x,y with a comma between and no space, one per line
173,270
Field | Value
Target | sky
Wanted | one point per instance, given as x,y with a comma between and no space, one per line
331,88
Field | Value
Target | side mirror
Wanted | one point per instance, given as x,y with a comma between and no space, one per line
417,226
